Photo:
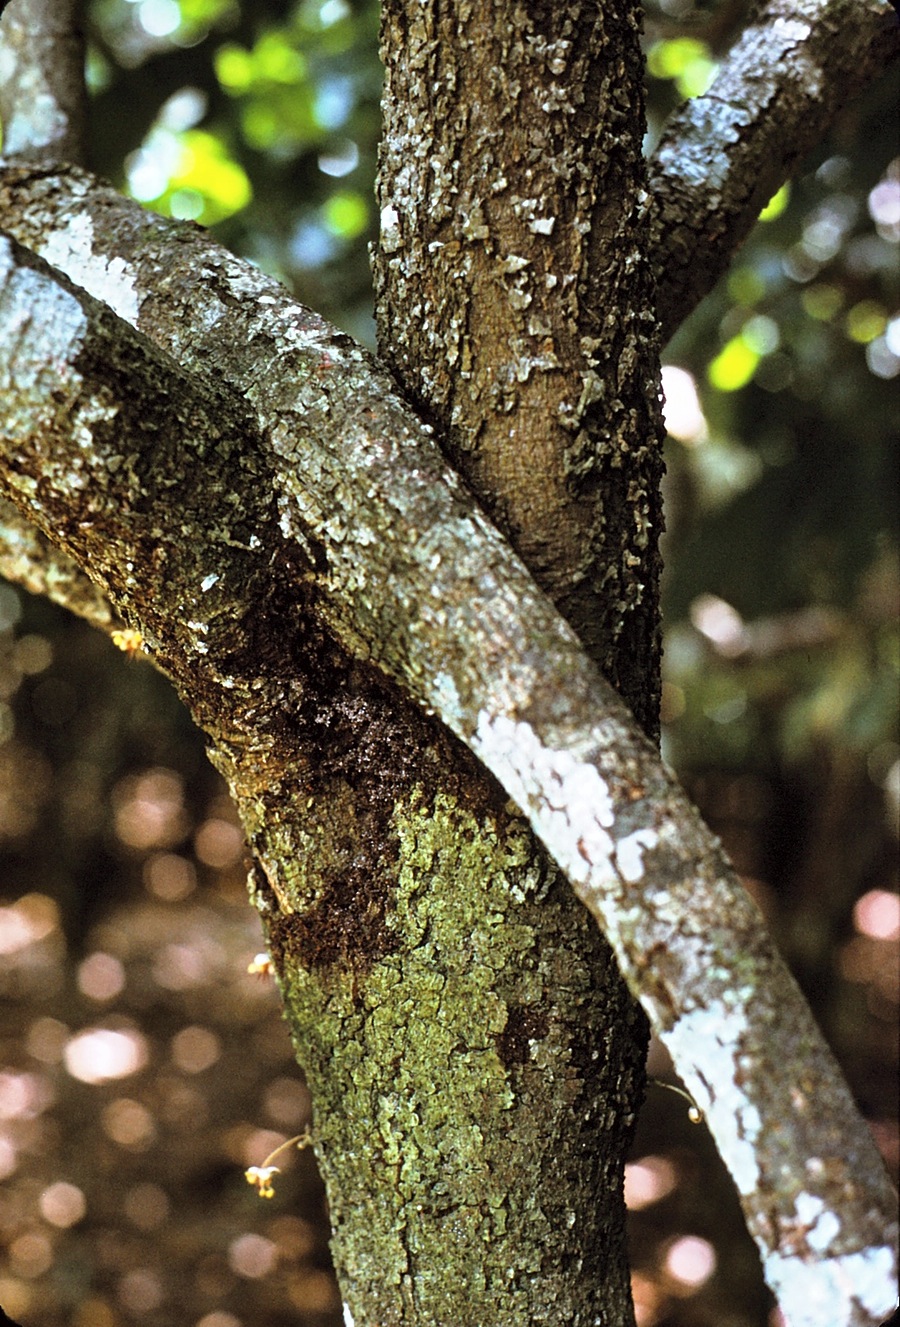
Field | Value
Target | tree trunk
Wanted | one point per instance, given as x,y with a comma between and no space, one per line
515,300
511,201
302,566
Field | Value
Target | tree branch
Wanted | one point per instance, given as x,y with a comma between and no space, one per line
723,155
392,557
42,92
29,558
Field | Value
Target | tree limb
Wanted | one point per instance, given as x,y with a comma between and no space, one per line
404,570
29,558
42,93
723,155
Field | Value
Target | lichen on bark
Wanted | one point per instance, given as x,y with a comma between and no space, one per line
463,1086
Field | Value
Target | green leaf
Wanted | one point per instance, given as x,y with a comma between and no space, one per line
734,365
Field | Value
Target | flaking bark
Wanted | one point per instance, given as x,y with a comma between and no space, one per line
385,551
514,294
29,559
723,155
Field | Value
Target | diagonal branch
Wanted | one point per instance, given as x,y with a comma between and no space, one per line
392,557
723,155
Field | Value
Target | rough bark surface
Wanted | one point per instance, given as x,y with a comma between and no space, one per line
451,1004
386,554
502,197
514,298
723,155
28,558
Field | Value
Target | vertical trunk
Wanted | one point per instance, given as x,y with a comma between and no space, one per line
511,205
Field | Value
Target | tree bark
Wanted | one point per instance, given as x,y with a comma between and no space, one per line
328,516
440,979
303,568
514,297
511,201
42,93
723,155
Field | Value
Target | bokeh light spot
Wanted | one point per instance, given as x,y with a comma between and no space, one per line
100,976
146,1206
141,1290
128,1123
648,1181
149,809
170,877
877,915
31,1254
23,1096
683,413
31,918
62,1204
252,1255
47,1039
219,843
690,1261
99,1055
195,1049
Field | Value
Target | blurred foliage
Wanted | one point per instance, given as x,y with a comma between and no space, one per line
261,118
781,600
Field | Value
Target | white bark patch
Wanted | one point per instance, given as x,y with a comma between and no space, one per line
446,700
567,800
706,1046
630,853
833,1289
348,1316
36,303
791,29
111,280
391,239
43,124
822,1225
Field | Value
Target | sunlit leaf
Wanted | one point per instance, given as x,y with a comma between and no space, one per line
734,365
777,203
346,214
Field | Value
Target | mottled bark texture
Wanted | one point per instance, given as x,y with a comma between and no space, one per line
316,537
29,559
723,155
514,298
509,190
451,1003
42,93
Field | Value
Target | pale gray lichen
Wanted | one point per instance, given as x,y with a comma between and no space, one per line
112,280
706,1044
832,1290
